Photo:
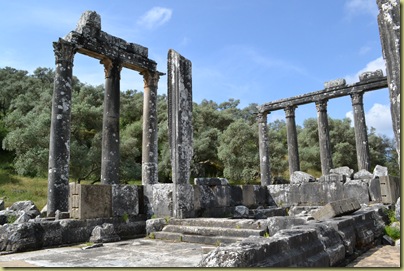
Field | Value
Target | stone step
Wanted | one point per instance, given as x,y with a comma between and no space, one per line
228,223
213,231
209,240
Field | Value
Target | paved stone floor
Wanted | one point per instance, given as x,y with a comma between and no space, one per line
155,253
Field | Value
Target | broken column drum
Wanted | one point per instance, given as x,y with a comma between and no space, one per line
263,149
180,131
324,137
361,136
293,151
114,53
59,146
110,125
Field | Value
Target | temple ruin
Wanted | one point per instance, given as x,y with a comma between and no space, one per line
322,222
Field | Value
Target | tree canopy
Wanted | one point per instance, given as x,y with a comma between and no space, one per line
225,136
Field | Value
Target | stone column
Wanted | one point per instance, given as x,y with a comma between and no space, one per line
150,136
389,28
293,151
324,137
361,135
180,132
110,124
59,146
263,149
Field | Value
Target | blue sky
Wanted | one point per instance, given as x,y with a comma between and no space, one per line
256,51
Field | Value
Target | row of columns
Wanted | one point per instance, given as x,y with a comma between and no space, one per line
361,138
59,148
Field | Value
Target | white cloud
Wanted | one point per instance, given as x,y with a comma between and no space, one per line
155,17
378,117
377,64
359,7
364,50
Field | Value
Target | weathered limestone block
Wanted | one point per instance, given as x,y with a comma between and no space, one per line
23,217
162,199
277,223
332,241
380,171
344,225
356,189
362,174
368,75
282,194
104,234
302,211
125,200
261,213
21,237
241,212
235,195
390,189
375,192
211,181
90,201
222,194
204,197
346,171
184,200
319,194
301,177
155,224
28,207
298,248
337,208
254,195
340,82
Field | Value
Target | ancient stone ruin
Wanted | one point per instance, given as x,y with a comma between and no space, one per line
322,222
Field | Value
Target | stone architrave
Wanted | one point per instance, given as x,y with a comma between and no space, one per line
293,151
180,131
361,136
59,146
389,21
150,129
263,149
324,137
110,125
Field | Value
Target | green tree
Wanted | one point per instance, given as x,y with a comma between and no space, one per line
239,152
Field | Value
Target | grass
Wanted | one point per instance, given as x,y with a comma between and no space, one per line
16,188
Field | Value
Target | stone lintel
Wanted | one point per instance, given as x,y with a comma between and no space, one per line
131,55
331,93
366,76
340,82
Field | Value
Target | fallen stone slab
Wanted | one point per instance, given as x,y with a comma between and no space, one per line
104,234
301,177
337,208
346,171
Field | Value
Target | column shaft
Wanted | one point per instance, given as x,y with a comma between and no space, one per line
324,137
59,146
293,151
110,124
361,136
389,21
150,129
263,149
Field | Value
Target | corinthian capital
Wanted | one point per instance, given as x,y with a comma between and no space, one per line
262,117
321,106
357,98
150,79
112,68
64,51
290,111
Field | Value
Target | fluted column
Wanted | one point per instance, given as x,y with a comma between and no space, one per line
361,136
293,151
263,149
150,136
110,124
59,146
324,137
